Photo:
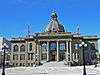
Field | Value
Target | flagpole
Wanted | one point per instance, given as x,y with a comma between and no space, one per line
28,30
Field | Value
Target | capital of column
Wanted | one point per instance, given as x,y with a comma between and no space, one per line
48,43
58,41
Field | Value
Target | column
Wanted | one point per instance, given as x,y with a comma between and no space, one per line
40,51
26,54
19,54
57,50
38,54
67,51
34,51
48,51
12,54
70,50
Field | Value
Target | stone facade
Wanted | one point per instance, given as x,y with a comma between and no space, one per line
54,44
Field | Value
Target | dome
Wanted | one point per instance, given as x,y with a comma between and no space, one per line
54,25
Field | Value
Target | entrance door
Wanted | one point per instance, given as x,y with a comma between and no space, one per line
53,58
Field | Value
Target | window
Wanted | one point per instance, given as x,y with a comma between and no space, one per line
78,56
53,46
44,56
75,56
68,57
15,57
92,46
62,56
22,56
22,48
86,55
44,46
75,46
62,46
93,56
29,56
30,47
15,48
32,55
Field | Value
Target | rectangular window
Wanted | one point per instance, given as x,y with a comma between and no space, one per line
76,46
78,56
68,56
15,57
62,46
75,56
22,56
44,56
32,55
30,47
28,56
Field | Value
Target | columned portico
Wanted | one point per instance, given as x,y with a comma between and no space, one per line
53,50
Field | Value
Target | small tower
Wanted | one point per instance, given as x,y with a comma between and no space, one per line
54,16
54,25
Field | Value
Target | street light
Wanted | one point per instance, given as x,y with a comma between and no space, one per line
83,45
4,47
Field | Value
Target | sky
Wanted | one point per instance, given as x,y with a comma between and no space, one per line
16,15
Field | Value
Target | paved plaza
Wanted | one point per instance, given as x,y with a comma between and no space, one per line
52,68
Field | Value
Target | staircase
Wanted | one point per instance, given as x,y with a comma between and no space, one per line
54,64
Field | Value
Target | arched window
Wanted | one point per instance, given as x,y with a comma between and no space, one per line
53,46
44,46
62,46
15,48
75,46
22,48
30,47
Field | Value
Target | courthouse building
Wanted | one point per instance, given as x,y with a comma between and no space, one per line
54,44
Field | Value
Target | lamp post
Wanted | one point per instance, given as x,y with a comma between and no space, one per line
4,47
83,45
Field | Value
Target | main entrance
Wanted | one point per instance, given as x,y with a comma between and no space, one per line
53,56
